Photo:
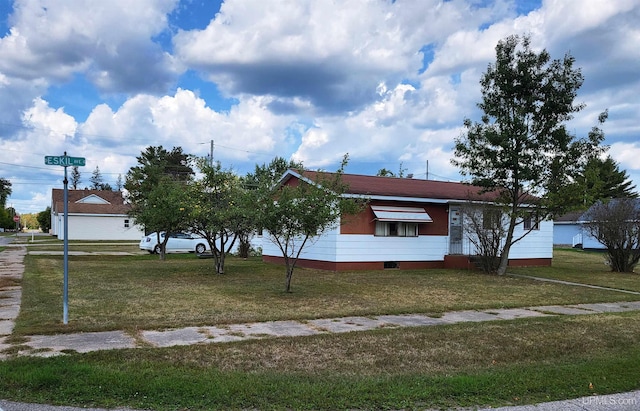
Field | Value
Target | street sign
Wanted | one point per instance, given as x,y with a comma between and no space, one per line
64,161
16,218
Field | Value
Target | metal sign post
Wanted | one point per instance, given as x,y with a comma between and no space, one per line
65,161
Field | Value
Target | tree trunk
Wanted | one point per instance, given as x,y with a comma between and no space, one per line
504,256
287,286
220,266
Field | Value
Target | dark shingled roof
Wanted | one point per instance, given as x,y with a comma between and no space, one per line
116,202
407,187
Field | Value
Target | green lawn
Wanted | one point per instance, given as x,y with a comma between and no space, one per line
586,267
491,364
140,292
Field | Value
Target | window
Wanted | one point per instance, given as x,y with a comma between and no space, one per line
531,222
490,218
396,229
126,223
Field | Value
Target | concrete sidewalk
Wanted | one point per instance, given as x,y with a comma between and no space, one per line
11,270
50,345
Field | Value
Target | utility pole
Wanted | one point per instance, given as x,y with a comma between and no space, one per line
427,169
211,154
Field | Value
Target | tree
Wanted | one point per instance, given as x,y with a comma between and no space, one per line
383,172
75,178
5,191
166,210
616,225
119,183
153,163
258,184
156,188
44,219
521,147
293,215
29,221
600,179
485,228
266,175
96,179
214,212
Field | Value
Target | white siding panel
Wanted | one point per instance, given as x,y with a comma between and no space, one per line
100,228
537,244
321,248
335,247
363,248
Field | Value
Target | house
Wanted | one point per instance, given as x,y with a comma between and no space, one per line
407,224
583,239
93,215
567,229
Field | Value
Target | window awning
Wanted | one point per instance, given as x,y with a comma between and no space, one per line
401,214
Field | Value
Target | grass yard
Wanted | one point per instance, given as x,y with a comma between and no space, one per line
469,364
587,267
140,292
491,364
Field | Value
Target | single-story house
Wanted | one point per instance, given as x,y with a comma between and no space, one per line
408,223
567,229
93,215
582,238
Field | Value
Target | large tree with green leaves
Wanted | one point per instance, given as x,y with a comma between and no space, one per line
600,179
44,219
153,164
521,147
295,214
156,190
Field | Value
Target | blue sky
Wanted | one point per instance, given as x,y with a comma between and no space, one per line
389,82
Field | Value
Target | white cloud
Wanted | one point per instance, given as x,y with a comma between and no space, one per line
626,154
308,79
111,40
332,55
184,120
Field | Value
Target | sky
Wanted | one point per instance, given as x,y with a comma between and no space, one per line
388,82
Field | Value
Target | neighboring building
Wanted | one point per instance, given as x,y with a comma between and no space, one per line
585,240
408,223
567,230
93,215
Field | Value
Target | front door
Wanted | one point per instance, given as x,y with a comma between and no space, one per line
455,230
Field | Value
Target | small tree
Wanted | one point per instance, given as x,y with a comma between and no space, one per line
96,179
485,228
384,172
119,183
75,178
44,220
256,185
215,212
294,215
166,210
616,225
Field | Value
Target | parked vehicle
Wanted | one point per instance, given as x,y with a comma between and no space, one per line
177,243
